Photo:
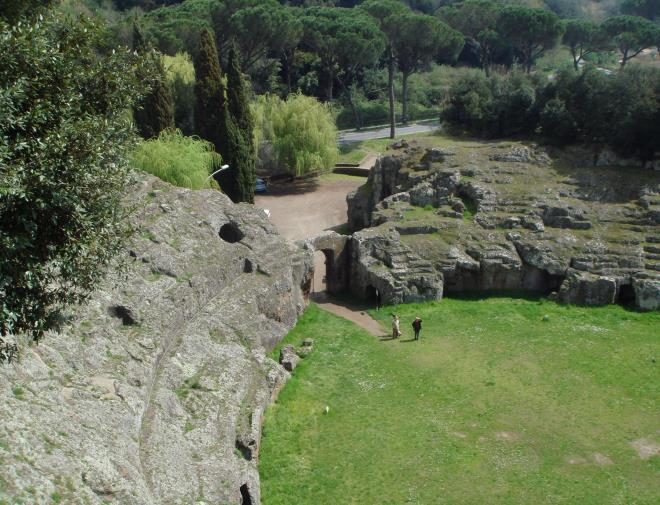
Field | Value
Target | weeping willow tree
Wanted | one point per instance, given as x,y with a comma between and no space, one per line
183,161
300,132
180,75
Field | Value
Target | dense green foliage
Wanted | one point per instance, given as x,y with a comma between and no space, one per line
530,31
493,106
326,48
493,405
264,31
646,8
631,35
238,126
12,11
183,161
415,53
297,135
155,112
582,38
477,20
209,92
180,76
64,138
622,110
387,13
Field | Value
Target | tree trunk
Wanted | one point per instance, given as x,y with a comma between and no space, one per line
329,95
351,103
288,63
527,55
404,96
390,85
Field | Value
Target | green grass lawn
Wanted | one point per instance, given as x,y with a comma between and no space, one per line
492,405
356,151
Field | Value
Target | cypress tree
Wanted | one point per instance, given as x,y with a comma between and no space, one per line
209,92
240,152
155,112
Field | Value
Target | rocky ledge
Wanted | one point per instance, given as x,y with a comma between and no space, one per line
154,392
512,217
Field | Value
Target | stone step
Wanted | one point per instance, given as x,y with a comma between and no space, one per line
650,256
653,266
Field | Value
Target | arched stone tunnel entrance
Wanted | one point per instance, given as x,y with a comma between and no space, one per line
331,263
322,263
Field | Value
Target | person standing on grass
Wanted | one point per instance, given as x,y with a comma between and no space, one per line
417,327
396,331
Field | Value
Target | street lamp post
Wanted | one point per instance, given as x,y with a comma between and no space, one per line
223,167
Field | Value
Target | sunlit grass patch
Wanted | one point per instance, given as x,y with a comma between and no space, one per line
495,404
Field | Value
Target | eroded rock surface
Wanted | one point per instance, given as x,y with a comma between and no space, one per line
509,217
155,392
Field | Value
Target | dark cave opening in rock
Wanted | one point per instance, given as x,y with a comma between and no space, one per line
372,295
245,450
246,499
248,267
626,295
126,315
230,232
471,205
552,283
322,266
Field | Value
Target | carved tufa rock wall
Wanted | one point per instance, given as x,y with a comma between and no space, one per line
155,391
505,217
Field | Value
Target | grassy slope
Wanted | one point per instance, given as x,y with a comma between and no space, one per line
490,406
356,151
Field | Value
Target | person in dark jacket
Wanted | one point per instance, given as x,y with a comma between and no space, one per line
417,327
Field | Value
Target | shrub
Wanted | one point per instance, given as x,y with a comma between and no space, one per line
180,75
622,109
64,143
493,106
556,122
300,130
183,161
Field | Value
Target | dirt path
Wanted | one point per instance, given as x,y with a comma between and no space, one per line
352,312
305,208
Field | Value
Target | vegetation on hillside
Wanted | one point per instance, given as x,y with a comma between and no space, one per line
516,400
238,128
182,161
155,112
622,110
296,135
64,142
366,76
180,75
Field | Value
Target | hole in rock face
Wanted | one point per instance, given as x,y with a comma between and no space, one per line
626,295
248,267
246,499
230,232
245,450
372,295
127,316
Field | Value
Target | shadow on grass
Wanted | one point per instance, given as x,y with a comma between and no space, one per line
539,298
349,147
484,295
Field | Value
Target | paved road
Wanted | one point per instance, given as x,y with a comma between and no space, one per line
383,133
